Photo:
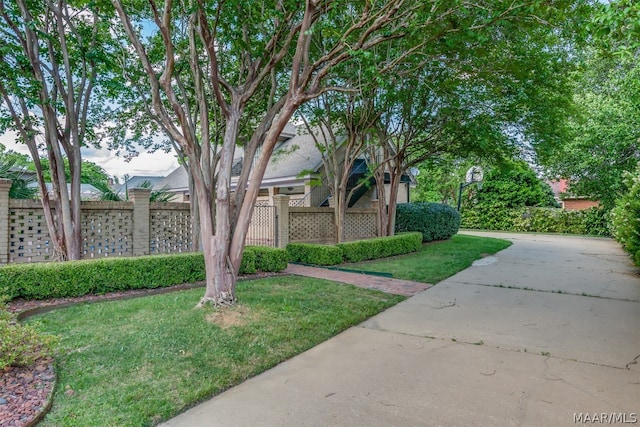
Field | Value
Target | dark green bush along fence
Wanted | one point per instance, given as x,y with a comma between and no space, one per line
435,221
77,278
593,221
359,250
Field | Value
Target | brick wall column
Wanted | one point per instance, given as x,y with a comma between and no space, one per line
5,185
140,198
281,202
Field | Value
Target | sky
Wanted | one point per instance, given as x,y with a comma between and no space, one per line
145,164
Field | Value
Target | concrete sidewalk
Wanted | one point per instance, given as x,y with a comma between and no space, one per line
546,333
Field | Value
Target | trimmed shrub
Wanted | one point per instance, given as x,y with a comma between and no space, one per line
626,216
21,345
247,265
435,221
593,221
307,253
99,276
268,259
362,250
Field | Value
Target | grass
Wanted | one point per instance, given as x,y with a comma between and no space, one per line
437,260
141,361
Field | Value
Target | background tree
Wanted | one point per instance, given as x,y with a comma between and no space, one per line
340,126
439,179
49,59
512,185
20,182
604,140
491,93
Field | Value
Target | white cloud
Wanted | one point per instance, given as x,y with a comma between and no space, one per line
152,164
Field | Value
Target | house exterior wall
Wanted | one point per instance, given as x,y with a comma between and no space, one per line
403,193
579,204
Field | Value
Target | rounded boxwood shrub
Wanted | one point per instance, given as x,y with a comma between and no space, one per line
435,221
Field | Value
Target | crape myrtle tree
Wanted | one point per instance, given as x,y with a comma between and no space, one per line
480,82
247,48
340,123
50,56
481,94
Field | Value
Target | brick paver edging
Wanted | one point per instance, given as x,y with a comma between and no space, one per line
384,284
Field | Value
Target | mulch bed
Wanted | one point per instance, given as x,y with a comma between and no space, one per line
26,392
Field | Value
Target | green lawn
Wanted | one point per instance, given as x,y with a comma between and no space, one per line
137,362
437,260
140,361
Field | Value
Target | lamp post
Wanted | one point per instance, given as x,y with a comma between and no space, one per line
474,176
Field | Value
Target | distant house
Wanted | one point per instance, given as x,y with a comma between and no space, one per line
569,201
138,181
295,169
87,191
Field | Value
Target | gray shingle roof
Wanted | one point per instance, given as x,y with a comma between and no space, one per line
136,182
289,159
294,156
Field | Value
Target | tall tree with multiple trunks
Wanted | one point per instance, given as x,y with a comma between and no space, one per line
470,84
480,94
49,56
339,124
237,50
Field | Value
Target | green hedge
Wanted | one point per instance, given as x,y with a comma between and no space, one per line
308,253
626,216
98,276
268,259
593,221
359,250
380,247
435,221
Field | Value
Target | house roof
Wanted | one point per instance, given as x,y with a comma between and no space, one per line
87,191
178,179
137,181
294,155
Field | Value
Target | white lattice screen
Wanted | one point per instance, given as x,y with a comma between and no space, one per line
360,226
311,226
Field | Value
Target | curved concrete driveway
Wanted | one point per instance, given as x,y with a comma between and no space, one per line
546,333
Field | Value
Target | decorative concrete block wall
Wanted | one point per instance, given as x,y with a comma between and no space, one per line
132,228
140,227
